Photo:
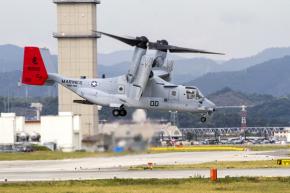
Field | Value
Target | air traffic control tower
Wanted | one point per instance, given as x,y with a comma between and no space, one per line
77,55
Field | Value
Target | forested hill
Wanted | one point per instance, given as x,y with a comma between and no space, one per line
271,77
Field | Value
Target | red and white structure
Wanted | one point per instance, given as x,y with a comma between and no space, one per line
243,119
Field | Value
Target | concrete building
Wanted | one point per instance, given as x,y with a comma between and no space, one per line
31,127
7,128
64,130
283,135
20,123
171,132
77,55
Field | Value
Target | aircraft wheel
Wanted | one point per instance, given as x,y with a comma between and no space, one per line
116,112
203,119
123,112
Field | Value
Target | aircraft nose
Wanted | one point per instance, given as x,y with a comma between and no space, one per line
209,105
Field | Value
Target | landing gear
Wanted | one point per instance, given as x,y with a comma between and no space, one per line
203,119
119,112
123,112
116,112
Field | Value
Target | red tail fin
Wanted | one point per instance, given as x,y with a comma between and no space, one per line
34,71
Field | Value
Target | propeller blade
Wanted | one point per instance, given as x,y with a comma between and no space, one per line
162,45
175,49
127,40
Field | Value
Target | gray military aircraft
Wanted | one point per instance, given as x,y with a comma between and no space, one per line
146,85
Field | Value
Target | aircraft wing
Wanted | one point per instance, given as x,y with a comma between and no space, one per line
140,79
162,74
164,71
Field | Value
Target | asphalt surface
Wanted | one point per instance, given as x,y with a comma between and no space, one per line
120,173
117,167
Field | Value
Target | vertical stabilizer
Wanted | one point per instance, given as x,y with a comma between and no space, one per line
34,71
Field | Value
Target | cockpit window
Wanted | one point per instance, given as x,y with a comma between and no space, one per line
198,95
193,94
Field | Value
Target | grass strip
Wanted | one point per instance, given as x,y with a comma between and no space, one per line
218,165
191,185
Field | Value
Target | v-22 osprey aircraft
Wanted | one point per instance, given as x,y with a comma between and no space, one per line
145,86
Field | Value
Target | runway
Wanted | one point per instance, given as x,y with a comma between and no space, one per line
117,167
126,174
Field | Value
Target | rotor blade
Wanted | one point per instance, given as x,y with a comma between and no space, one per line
175,49
127,40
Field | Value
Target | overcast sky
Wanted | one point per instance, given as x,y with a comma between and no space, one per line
237,27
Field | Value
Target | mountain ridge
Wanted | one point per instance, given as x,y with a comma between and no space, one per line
270,77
